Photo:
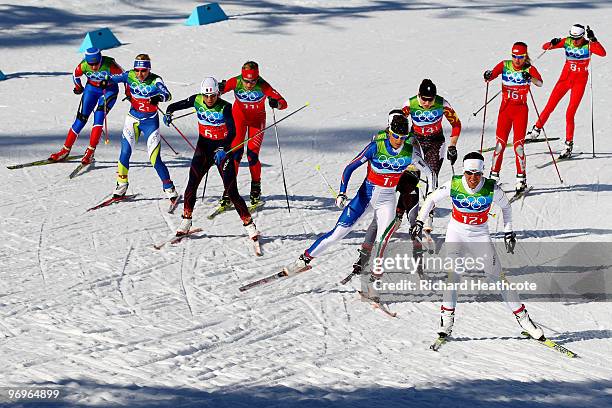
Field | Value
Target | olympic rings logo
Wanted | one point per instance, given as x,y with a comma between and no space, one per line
250,96
426,115
141,88
393,163
474,203
576,52
210,116
96,75
516,77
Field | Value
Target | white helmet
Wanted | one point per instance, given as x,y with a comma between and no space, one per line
210,86
576,31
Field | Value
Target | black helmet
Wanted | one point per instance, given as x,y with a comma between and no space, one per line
427,89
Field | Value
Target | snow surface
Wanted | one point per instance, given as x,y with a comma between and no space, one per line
86,303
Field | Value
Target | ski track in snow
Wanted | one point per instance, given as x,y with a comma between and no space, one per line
86,303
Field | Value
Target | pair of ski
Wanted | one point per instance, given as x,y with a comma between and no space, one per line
527,141
223,208
128,197
40,163
442,339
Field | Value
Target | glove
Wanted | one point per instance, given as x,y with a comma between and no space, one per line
222,86
526,76
220,156
155,99
273,103
341,200
78,89
510,241
416,229
451,154
167,118
590,34
555,41
487,75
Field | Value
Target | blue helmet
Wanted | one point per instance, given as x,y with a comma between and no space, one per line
93,56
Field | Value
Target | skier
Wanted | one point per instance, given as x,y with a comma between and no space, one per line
250,93
145,91
217,131
573,78
468,234
388,155
95,67
426,110
517,75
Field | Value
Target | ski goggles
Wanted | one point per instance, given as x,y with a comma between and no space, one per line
398,136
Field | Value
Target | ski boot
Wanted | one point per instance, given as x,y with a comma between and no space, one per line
300,265
88,157
447,320
225,202
255,195
534,133
185,226
521,184
171,193
251,230
523,319
568,150
61,155
120,189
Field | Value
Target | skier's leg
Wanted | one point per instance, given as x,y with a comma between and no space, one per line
230,188
96,130
504,123
200,164
150,129
576,94
519,126
129,137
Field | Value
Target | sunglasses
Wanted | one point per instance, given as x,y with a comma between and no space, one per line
518,56
250,81
472,173
209,95
400,137
427,99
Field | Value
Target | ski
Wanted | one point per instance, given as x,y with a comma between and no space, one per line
376,304
527,141
40,163
112,200
175,239
80,169
518,196
364,257
356,272
552,345
558,159
441,340
264,281
174,203
219,210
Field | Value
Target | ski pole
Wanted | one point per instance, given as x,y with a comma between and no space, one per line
171,148
495,96
281,158
484,117
318,169
204,189
106,139
233,149
179,132
545,137
592,115
183,115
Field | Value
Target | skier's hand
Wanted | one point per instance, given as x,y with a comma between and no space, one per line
222,86
341,200
526,76
555,41
487,75
451,154
220,156
510,241
416,229
155,99
167,118
273,103
590,34
78,89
